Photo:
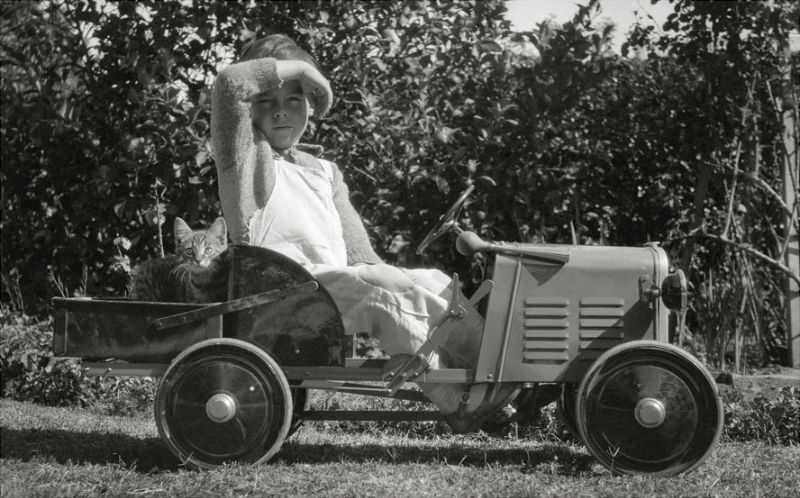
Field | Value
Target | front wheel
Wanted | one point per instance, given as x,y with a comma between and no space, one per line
648,407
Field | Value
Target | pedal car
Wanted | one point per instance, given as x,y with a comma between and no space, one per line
590,321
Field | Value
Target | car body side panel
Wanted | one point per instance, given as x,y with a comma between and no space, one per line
547,322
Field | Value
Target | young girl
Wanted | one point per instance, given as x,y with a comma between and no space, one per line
277,196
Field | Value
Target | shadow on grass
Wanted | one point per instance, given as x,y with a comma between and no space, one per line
152,455
552,458
142,455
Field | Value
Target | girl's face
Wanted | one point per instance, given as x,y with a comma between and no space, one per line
282,115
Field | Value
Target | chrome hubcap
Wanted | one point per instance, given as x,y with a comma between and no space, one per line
221,407
650,412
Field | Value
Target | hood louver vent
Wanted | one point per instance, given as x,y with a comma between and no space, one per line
546,330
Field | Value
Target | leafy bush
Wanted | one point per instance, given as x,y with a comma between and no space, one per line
27,370
776,421
30,372
121,395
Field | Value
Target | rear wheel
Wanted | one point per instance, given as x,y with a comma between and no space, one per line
223,400
648,407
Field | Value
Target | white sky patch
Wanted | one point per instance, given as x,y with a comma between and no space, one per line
526,14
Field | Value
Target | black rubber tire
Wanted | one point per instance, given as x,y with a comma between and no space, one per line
646,407
255,398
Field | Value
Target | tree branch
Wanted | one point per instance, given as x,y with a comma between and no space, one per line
700,233
760,183
732,198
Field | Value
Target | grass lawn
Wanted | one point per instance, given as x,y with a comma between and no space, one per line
70,452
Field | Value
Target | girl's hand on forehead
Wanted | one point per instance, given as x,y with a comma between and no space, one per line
314,85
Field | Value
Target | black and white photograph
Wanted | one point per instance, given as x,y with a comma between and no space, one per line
400,248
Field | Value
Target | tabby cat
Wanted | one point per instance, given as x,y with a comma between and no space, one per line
197,272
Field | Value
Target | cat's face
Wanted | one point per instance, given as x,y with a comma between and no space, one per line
200,246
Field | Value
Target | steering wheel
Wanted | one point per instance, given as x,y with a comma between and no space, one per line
447,221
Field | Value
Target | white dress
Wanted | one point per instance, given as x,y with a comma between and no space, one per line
396,306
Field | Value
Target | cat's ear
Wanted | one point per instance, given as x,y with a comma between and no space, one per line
182,231
219,229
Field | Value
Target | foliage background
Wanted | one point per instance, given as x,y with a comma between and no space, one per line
105,111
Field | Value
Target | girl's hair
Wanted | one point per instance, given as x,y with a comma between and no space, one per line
277,46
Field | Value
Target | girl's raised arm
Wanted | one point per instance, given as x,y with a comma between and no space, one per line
315,86
244,163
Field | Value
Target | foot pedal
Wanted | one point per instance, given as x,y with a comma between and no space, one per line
412,367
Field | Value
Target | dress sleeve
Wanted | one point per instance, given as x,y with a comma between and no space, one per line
359,247
241,154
